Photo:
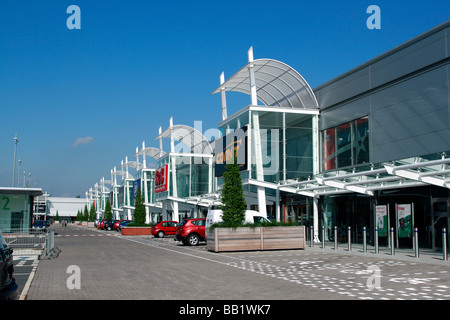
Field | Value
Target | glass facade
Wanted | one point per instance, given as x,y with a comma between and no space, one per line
286,143
346,145
15,212
189,175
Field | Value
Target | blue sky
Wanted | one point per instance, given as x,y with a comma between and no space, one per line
82,100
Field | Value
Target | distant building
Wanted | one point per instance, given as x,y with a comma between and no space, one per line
47,206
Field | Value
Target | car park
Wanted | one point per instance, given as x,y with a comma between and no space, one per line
191,231
164,228
9,290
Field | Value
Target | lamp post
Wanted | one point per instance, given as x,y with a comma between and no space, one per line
15,152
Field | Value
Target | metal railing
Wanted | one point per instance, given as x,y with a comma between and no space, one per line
29,241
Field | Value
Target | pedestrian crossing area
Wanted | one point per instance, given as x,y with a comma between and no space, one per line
83,235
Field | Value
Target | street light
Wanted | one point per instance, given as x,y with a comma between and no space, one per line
18,175
15,152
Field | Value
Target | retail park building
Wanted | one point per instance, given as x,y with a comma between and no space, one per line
370,144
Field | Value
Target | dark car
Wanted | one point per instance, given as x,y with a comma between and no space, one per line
109,224
164,228
9,290
40,225
191,231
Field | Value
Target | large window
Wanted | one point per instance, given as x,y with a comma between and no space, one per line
346,145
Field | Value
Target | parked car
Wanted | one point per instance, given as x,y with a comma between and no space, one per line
109,224
97,222
41,225
191,231
9,290
118,222
123,224
101,224
164,228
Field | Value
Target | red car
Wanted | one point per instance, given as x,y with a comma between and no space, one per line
164,228
191,231
101,225
116,225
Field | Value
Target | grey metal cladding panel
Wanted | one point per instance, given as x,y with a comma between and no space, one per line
448,42
409,118
343,89
345,113
414,57
434,142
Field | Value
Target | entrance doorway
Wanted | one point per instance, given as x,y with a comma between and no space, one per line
439,220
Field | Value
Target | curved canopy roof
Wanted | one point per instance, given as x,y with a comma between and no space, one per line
277,85
155,153
189,136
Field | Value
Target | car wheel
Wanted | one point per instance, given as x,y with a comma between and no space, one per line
160,234
193,240
108,228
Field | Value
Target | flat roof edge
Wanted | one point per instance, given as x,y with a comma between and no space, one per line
410,42
26,191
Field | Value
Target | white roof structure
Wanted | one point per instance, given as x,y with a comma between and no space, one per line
193,138
155,153
411,172
277,85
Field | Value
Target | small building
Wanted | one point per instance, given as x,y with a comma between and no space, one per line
16,207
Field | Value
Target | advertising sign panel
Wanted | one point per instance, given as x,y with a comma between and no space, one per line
161,179
234,143
404,216
382,220
136,186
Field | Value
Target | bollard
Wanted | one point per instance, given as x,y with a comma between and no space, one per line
323,237
416,242
376,240
335,238
312,236
392,241
349,238
444,243
364,240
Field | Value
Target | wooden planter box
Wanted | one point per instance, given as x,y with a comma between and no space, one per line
136,231
260,238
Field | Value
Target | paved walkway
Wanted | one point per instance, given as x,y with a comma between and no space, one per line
115,267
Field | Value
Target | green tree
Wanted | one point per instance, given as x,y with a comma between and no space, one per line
57,216
139,209
92,210
233,200
86,213
108,211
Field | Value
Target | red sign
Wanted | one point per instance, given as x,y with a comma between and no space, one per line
161,179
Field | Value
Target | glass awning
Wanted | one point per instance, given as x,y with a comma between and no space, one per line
155,153
191,137
277,85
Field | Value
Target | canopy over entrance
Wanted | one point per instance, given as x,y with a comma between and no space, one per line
277,85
